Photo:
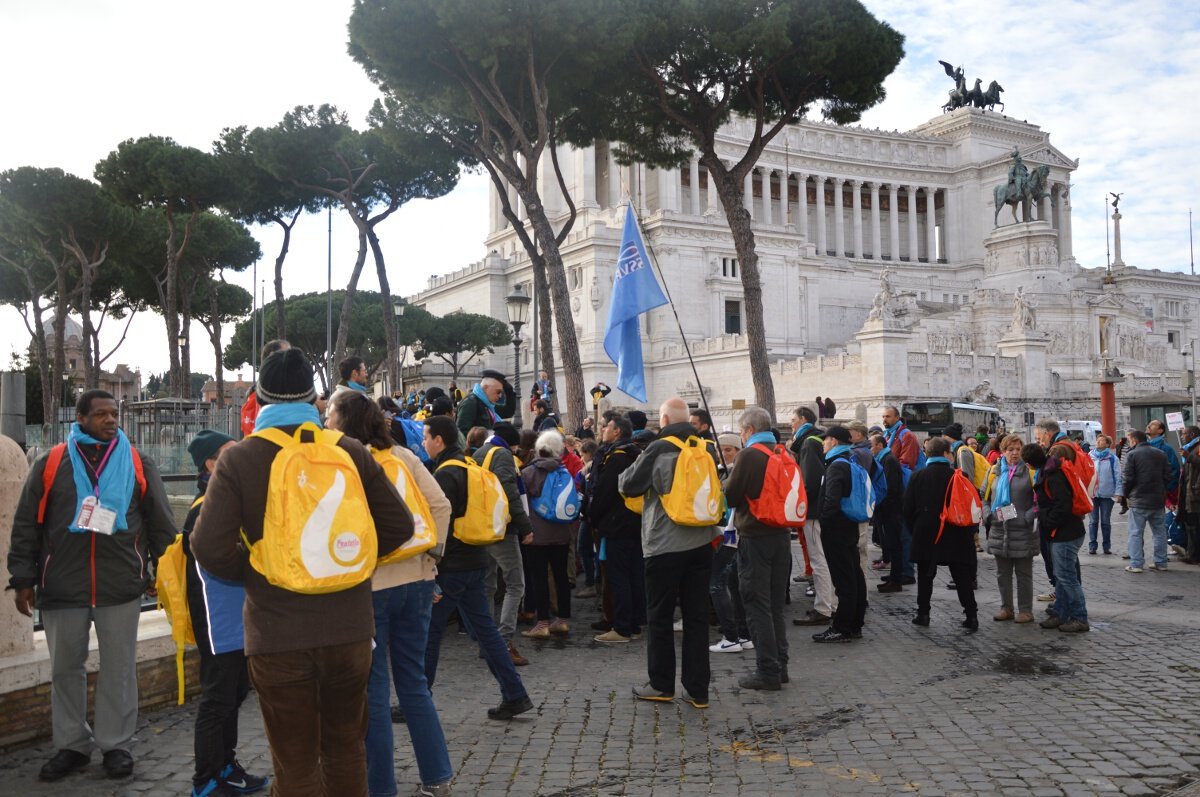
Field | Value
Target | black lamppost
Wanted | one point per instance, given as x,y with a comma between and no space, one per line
398,305
517,305
186,388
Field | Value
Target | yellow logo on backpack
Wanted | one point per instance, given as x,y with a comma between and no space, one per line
318,533
486,518
695,498
424,530
170,581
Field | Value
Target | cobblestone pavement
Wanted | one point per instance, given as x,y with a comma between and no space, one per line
1010,710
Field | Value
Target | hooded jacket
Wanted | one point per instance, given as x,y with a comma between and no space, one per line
606,508
544,531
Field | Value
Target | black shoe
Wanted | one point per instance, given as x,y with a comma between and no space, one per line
971,623
856,634
908,580
118,764
236,778
831,634
397,715
510,708
922,618
601,625
951,585
783,677
62,764
756,681
812,618
890,586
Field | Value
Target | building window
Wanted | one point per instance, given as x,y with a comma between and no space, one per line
1173,308
72,365
1172,338
729,267
733,317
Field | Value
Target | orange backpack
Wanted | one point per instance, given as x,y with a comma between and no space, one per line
783,501
1081,502
54,459
962,506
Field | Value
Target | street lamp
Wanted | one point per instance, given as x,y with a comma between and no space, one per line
398,305
517,305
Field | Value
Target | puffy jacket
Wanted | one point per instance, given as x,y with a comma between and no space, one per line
1015,538
606,508
1145,477
1108,473
73,570
215,605
1173,465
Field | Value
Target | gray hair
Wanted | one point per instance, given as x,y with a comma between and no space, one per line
756,418
1049,425
550,443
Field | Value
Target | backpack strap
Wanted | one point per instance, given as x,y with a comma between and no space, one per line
139,472
455,462
199,500
52,463
487,458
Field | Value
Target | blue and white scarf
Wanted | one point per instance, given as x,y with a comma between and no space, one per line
114,486
274,415
478,393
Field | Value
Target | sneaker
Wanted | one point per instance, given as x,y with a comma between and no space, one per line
510,708
214,788
1074,627
1053,621
879,564
62,764
1132,569
1179,550
811,617
746,644
648,692
440,790
678,626
1046,597
810,593
586,592
1161,568
517,659
611,636
831,635
696,702
237,778
118,764
560,627
759,682
539,631
725,646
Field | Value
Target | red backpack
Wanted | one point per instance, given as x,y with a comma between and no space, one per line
962,506
783,502
1085,467
54,459
1081,502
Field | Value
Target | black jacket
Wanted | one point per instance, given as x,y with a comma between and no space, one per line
453,481
606,508
1056,521
894,502
835,525
1145,472
810,453
923,503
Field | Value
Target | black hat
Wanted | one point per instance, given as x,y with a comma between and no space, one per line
637,419
507,432
432,393
286,378
839,433
491,374
206,444
953,431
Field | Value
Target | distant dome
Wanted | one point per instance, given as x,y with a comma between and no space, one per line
72,329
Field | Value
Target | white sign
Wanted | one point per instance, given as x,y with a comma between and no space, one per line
1175,421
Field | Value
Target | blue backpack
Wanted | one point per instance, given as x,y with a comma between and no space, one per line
879,485
859,505
559,501
414,434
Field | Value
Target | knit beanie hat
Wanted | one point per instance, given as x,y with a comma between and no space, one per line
953,431
205,445
730,439
286,378
508,433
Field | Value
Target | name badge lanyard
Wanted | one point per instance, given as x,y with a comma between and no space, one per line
97,470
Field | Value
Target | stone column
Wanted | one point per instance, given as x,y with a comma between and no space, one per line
839,218
614,181
950,222
893,221
914,251
802,204
931,224
876,243
585,178
16,630
748,192
666,178
694,179
1044,210
1064,234
713,205
1117,261
856,205
495,215
767,216
822,229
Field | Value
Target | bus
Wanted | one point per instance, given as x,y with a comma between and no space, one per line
934,416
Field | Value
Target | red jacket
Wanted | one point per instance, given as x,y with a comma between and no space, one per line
905,446
249,414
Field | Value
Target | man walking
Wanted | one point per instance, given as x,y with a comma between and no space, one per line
93,514
1144,487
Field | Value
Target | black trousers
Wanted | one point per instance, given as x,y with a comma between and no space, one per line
763,580
537,580
626,573
849,581
1191,521
963,574
224,684
682,578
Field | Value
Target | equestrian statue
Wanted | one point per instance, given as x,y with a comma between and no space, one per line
1024,187
962,97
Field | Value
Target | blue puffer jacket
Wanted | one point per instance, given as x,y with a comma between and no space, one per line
1108,473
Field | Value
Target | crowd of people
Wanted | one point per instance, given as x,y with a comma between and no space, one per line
329,551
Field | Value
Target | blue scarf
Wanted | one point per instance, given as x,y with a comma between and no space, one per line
350,383
891,432
931,460
292,414
802,431
478,393
114,488
835,451
766,438
1188,446
1002,495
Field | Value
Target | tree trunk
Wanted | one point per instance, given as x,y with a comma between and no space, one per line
214,337
389,313
61,307
280,307
729,189
545,332
339,346
170,309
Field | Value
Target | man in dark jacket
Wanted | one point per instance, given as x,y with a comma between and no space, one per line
461,575
1145,474
506,554
491,399
1063,531
764,555
839,539
620,531
808,446
81,553
1189,492
890,518
1155,438
309,655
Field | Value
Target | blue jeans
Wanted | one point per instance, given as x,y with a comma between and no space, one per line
401,628
1068,589
1138,518
1101,516
464,590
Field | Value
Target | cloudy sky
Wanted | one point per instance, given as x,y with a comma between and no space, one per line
1114,83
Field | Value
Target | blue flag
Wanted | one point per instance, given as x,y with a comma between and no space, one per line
635,291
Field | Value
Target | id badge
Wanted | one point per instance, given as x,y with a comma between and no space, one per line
1007,512
104,520
84,519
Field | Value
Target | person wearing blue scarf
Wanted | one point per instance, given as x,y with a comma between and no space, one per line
82,550
1108,486
839,540
808,448
353,373
1011,536
489,401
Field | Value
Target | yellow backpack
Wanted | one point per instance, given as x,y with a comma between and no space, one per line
318,533
486,518
170,581
424,529
695,498
981,468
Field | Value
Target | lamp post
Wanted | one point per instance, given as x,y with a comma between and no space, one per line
517,305
398,305
1191,377
185,386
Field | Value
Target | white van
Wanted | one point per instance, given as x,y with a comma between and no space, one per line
1081,431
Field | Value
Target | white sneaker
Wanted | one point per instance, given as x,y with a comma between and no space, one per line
1157,567
725,646
1132,569
746,644
678,624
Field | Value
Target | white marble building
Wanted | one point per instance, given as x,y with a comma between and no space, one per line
834,208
